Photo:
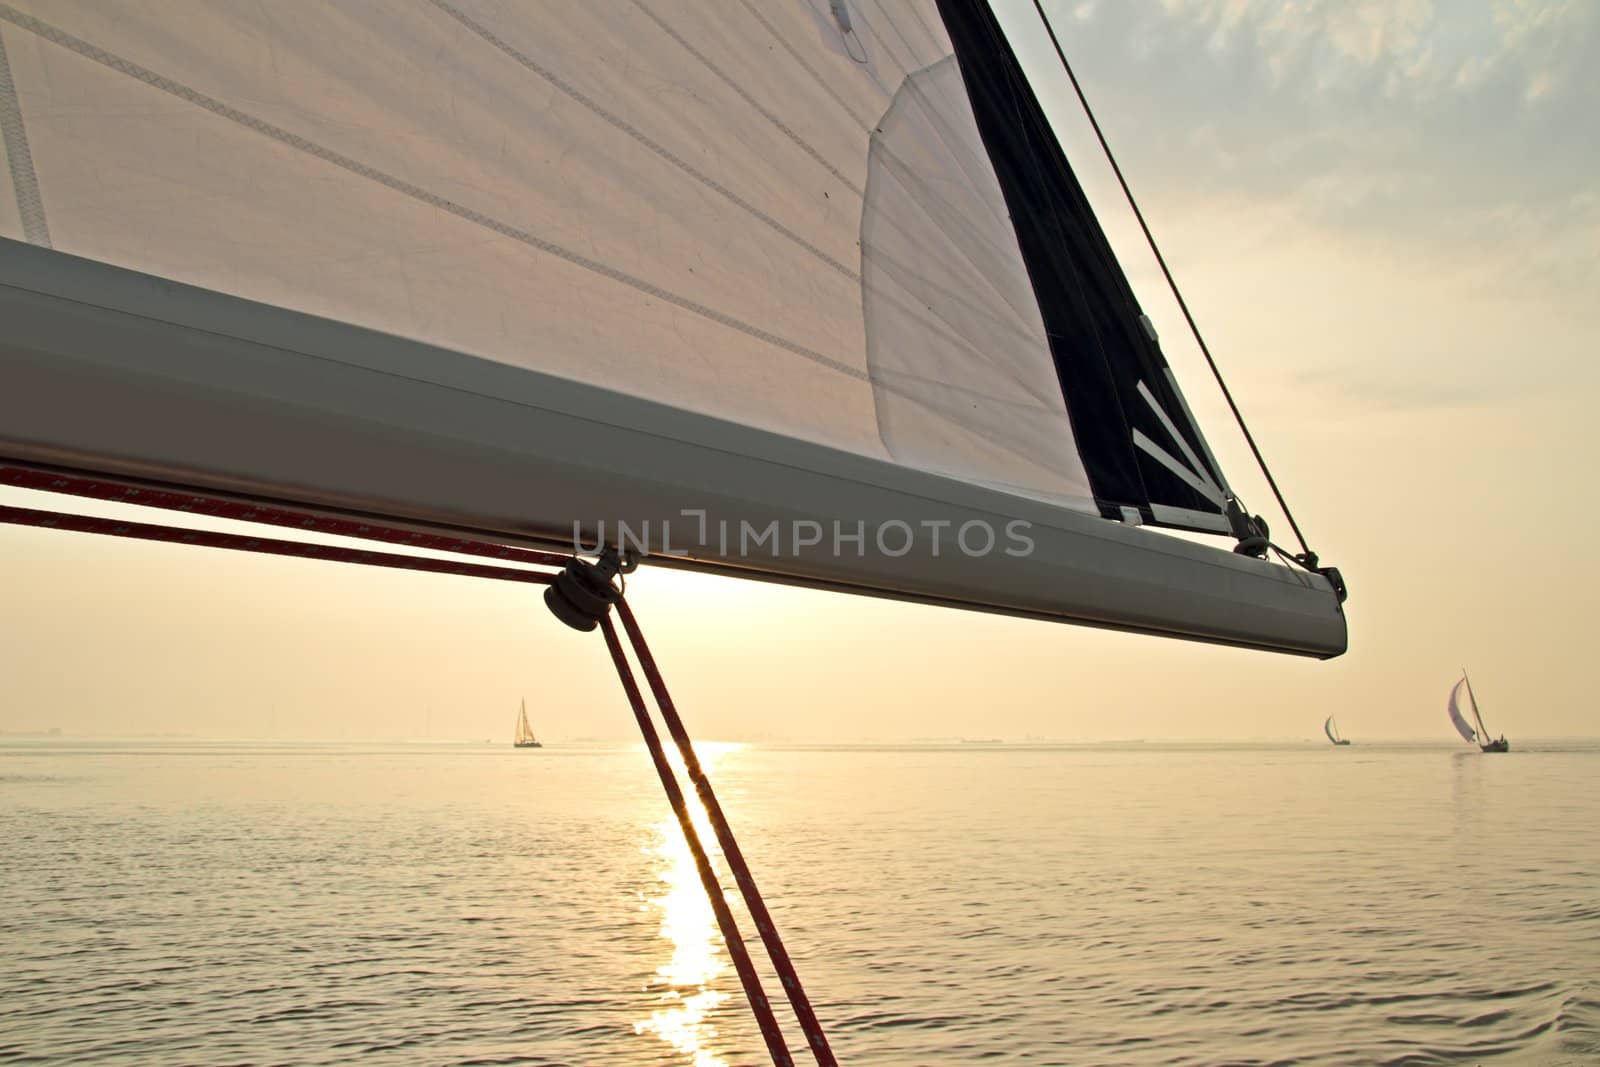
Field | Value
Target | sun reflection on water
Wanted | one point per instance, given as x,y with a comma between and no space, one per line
686,983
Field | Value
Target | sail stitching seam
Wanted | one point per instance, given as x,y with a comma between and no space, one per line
970,166
921,193
744,95
914,62
726,79
622,125
807,67
899,275
941,44
24,180
415,192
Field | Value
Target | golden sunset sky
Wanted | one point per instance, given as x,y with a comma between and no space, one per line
1386,218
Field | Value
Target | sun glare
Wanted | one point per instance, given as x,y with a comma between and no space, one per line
686,984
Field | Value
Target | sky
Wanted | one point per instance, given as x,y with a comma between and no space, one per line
1387,218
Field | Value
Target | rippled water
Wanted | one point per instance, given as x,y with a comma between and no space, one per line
230,903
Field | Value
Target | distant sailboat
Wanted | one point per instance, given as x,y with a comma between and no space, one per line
1480,736
1333,732
525,738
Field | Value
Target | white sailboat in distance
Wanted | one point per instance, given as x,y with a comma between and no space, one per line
1479,736
524,737
1333,732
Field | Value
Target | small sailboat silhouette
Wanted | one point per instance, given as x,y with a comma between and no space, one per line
1480,736
1333,732
525,738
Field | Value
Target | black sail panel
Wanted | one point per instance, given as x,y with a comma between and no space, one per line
1137,441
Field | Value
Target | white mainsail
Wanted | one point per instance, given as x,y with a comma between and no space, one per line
524,734
494,179
1458,691
528,268
1327,728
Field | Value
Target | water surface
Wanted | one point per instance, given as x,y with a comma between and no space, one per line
259,903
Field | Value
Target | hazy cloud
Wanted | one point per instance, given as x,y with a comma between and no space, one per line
1468,124
1396,393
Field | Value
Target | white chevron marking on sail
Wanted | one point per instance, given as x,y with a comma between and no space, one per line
1212,490
1162,456
1216,468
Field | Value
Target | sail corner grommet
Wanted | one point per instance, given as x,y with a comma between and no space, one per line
582,594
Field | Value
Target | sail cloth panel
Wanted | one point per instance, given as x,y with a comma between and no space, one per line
1457,719
787,215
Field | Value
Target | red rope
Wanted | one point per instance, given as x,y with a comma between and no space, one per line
142,531
730,847
127,493
776,1045
121,492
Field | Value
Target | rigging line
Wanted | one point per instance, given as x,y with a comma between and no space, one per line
776,1046
1171,282
93,488
1293,564
730,847
1015,95
271,546
1284,554
119,492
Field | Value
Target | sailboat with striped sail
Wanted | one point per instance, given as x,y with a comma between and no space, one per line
524,737
1458,719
